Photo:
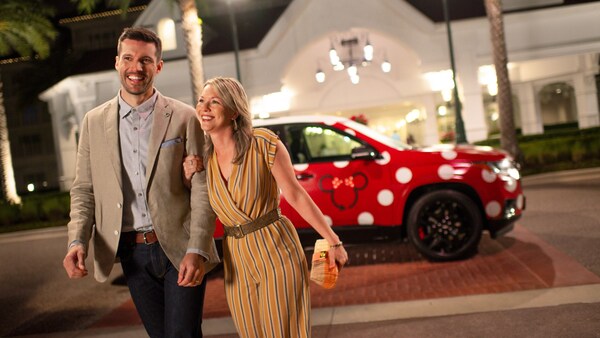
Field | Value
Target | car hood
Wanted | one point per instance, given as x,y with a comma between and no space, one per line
467,152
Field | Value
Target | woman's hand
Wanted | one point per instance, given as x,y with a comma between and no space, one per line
337,255
191,165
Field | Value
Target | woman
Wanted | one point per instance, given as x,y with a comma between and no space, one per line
266,273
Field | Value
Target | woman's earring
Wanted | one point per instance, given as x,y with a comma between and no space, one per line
235,126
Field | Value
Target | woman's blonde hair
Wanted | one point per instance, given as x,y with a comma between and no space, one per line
234,100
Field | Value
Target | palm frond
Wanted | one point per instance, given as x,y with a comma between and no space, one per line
86,6
15,42
25,28
122,4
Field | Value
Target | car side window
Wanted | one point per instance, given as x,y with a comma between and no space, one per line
316,143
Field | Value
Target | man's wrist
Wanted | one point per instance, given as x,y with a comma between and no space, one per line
199,253
74,243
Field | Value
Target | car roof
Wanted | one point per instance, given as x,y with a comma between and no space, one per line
327,119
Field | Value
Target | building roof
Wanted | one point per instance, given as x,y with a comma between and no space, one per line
255,18
468,9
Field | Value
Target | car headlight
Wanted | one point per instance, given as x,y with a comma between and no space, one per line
506,167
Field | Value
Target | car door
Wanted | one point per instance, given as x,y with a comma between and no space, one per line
336,180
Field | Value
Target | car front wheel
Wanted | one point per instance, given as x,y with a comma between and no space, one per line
445,225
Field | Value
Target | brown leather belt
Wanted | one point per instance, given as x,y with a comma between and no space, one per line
239,231
147,237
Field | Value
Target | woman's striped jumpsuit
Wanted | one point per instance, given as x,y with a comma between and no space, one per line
266,273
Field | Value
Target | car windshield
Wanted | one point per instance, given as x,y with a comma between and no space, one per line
388,141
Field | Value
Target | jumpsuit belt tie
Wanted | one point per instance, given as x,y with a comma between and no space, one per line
241,230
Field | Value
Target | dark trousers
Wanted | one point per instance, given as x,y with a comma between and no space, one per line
166,309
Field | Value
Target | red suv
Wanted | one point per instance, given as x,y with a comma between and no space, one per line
441,198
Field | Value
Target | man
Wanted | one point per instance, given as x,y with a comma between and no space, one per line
129,194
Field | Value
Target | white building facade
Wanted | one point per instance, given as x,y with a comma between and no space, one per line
553,55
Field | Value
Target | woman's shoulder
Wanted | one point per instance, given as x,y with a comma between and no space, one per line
263,132
266,143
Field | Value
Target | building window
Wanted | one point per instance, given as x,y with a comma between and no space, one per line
446,121
492,113
557,103
30,115
166,32
29,145
402,122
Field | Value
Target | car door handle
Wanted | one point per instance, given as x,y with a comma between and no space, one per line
302,177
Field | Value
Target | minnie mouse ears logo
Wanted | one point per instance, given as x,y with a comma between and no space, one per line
343,190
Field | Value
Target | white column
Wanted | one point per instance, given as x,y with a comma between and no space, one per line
431,126
587,100
83,96
473,112
65,127
529,108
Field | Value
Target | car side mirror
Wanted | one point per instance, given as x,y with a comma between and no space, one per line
363,152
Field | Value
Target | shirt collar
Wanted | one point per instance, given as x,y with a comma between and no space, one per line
145,107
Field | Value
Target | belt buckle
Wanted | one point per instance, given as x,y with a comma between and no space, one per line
237,232
145,239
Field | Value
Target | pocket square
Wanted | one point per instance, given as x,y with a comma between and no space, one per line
171,142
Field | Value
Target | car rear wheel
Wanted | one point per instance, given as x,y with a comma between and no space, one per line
445,225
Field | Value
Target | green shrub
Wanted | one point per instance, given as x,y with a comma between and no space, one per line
9,213
36,211
579,152
31,209
55,209
47,206
557,149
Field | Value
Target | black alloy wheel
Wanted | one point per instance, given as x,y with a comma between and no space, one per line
445,225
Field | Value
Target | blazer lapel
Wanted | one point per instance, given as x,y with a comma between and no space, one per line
162,116
111,127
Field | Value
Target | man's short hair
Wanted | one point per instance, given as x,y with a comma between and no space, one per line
141,34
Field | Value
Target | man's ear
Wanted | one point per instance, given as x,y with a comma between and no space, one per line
117,62
159,66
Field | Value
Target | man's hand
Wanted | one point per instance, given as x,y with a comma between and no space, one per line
74,262
191,270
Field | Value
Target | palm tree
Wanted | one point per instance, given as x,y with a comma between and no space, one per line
508,134
25,30
192,35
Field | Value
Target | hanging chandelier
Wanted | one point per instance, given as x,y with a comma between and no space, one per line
349,53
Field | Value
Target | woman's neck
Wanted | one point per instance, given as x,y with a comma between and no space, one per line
223,142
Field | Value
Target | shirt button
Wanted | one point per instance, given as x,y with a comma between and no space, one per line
139,194
118,205
135,128
135,150
116,232
143,215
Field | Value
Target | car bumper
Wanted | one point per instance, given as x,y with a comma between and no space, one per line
511,214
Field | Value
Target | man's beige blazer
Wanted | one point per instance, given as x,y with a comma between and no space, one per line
182,217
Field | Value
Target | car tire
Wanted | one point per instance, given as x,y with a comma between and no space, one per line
445,225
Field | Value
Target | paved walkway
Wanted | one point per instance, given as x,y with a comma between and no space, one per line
390,281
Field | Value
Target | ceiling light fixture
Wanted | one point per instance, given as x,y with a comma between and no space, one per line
350,51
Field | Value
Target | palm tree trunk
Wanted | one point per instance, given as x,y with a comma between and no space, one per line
508,135
9,186
192,34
